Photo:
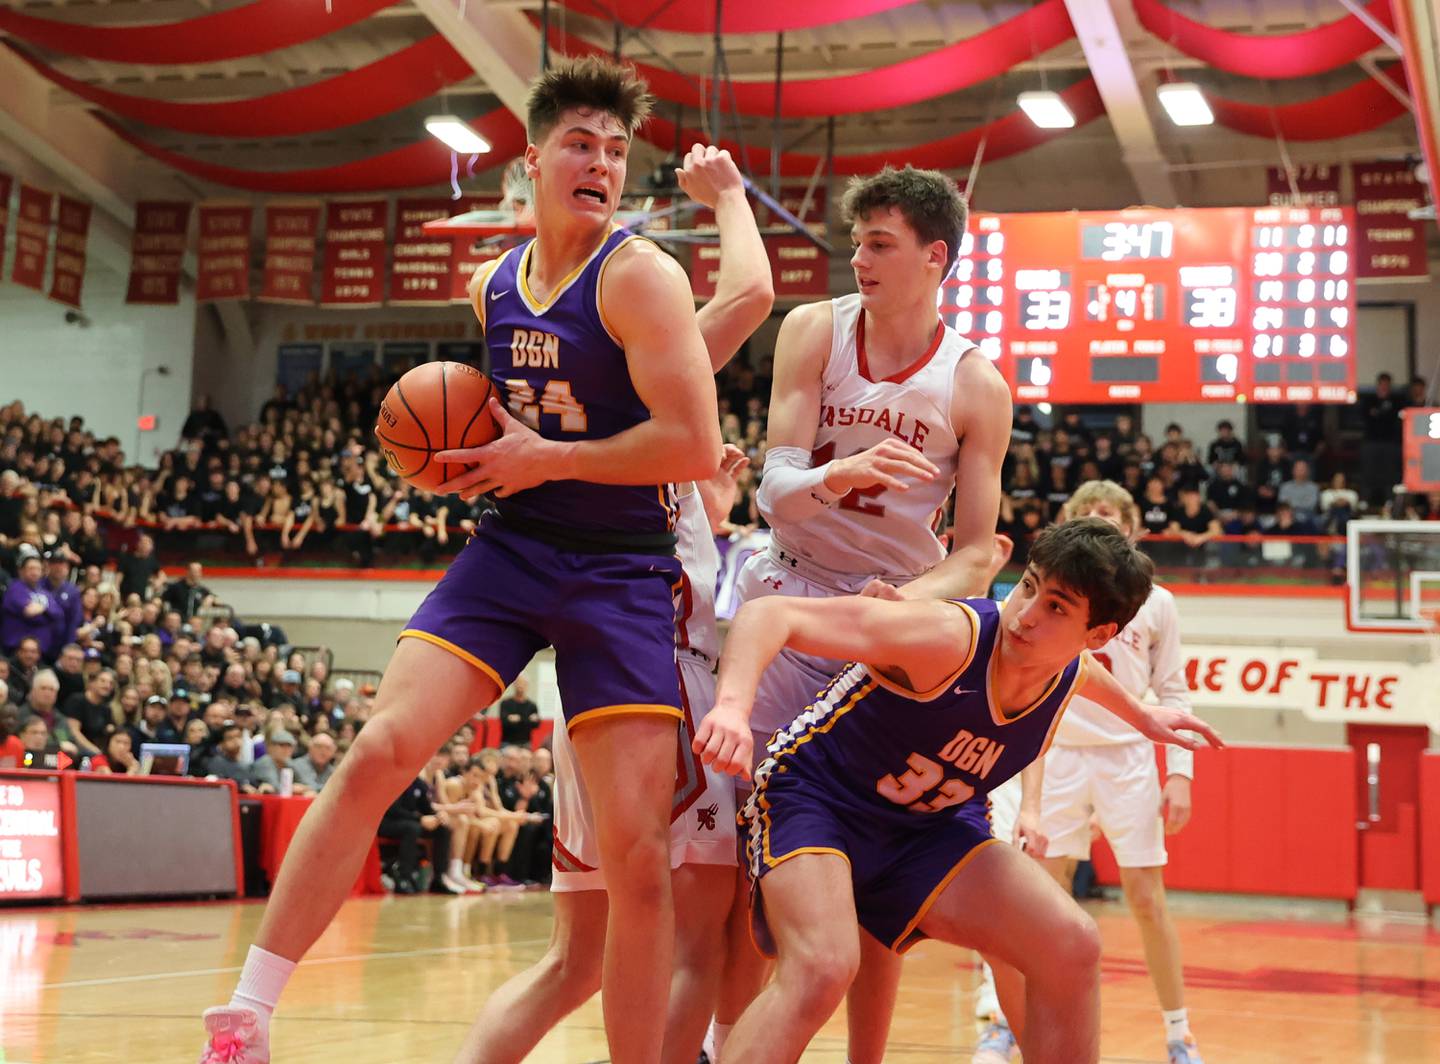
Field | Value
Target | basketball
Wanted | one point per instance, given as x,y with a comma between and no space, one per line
437,406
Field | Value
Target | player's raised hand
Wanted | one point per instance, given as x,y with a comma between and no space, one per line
724,741
519,458
707,173
732,460
889,464
1164,725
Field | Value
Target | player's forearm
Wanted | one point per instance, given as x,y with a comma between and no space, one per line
966,573
1105,691
744,292
1032,781
652,452
757,634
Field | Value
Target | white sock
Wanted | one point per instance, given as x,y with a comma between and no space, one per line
1177,1024
457,869
715,1039
262,981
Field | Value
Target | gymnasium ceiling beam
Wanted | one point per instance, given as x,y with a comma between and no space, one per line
1104,45
81,153
502,46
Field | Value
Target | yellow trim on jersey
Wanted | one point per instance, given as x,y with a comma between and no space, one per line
629,709
460,652
1080,675
600,288
995,714
904,943
478,303
523,280
944,685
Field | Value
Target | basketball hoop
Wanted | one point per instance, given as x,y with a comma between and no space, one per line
479,225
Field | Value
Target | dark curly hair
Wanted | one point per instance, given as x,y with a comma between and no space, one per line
1093,558
929,200
590,82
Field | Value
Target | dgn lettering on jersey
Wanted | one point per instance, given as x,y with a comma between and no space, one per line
975,755
533,349
913,432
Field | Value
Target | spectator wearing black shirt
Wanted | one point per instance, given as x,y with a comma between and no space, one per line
24,664
70,670
413,816
147,728
1195,524
188,596
1304,432
1225,492
1226,447
1057,492
178,713
1380,447
519,717
1024,426
1273,471
521,792
138,568
91,708
1107,461
204,423
225,762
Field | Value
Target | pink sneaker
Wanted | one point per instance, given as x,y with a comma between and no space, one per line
236,1036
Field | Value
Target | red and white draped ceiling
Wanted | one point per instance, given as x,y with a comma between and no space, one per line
428,66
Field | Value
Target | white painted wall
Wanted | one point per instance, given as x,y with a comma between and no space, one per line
97,372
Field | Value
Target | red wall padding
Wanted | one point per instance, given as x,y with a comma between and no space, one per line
1268,820
1430,826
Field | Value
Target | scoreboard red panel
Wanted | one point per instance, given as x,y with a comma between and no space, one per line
1422,448
1148,305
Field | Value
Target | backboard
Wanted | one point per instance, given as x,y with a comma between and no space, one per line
1392,576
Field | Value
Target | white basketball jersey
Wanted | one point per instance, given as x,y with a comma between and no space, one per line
890,534
1144,656
695,625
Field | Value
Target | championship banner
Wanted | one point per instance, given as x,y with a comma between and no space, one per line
798,267
470,254
1323,689
32,237
290,233
421,268
792,198
223,260
1318,185
354,270
72,230
6,184
157,251
1389,244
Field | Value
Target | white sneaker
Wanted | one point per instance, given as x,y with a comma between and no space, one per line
236,1036
996,1046
453,885
473,885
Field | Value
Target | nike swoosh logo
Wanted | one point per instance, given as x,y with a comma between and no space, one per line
497,295
965,691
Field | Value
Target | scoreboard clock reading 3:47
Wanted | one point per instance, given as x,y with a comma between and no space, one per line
1228,304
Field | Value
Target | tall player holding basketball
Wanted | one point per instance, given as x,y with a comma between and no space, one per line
702,830
878,411
1101,766
592,337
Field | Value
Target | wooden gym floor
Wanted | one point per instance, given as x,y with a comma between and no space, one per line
398,979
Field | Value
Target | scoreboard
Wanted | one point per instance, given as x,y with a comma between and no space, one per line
1422,448
1231,304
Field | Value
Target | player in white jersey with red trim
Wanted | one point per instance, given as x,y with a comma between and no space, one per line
703,854
1104,769
877,413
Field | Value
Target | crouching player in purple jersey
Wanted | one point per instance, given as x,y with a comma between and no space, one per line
593,341
862,815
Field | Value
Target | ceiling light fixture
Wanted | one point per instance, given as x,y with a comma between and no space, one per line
1046,109
1185,104
456,135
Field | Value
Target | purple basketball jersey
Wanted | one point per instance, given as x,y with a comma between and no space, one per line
563,372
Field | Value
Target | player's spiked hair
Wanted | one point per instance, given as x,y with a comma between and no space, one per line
1093,558
1094,492
590,82
928,199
